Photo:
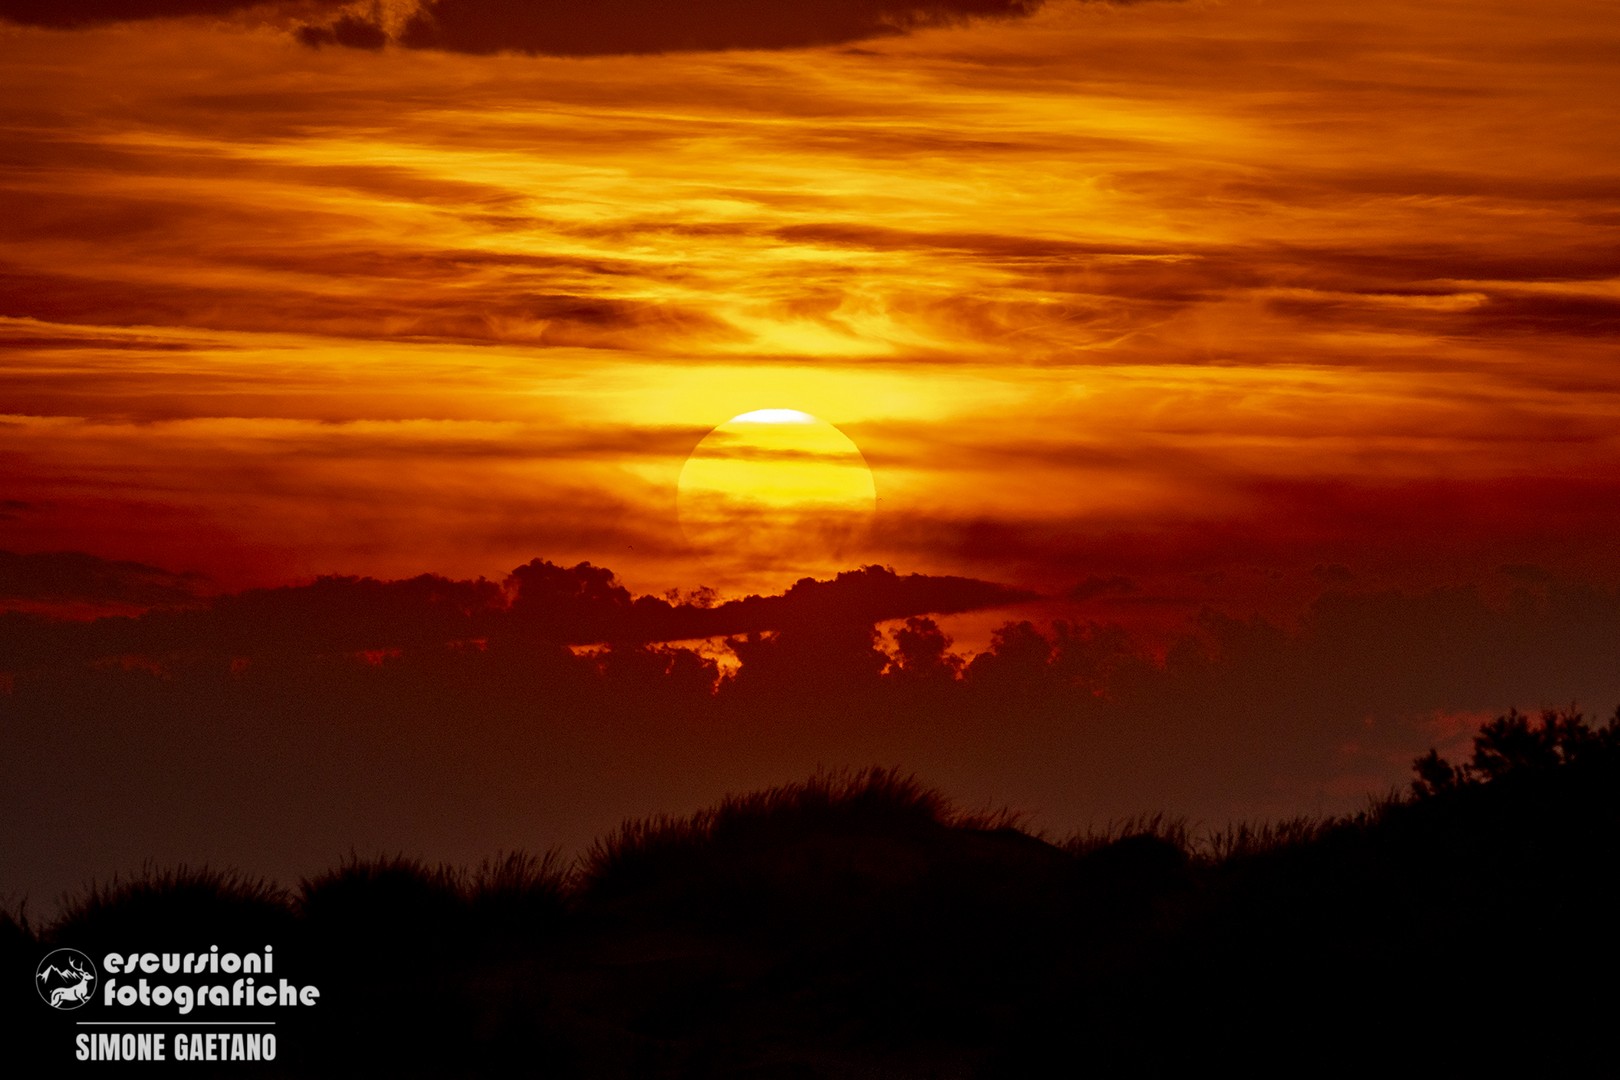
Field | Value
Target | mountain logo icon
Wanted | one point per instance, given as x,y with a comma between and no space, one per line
65,979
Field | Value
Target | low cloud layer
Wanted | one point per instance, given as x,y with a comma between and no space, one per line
540,602
69,578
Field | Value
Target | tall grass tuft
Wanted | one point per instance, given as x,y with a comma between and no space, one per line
362,889
869,802
15,925
181,905
518,891
1236,843
378,902
1245,841
19,941
1167,828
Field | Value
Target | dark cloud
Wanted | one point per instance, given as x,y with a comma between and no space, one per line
587,28
81,13
349,31
336,616
1587,316
1452,522
585,604
75,577
1492,316
494,313
1323,186
1101,586
1409,265
81,341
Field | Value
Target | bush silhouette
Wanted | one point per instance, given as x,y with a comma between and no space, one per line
367,907
19,951
753,828
180,908
1515,745
858,924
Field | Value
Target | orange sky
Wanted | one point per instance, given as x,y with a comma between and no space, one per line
1168,290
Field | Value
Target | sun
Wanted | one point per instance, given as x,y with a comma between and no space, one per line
776,491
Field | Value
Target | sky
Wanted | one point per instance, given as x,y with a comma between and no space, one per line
1268,347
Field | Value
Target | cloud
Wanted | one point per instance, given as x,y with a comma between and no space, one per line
75,577
348,31
505,314
1592,316
348,615
82,13
586,28
585,604
1096,585
1435,526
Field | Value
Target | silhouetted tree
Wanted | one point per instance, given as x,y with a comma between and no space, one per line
922,653
582,604
1018,654
1515,744
1435,774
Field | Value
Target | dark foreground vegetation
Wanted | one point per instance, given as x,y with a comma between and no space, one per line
858,926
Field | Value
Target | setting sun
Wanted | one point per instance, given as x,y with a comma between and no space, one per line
776,489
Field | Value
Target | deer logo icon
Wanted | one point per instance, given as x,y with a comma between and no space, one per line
65,978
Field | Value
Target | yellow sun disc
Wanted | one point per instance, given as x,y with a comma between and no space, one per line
776,490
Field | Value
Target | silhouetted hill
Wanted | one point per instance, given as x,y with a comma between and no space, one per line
857,925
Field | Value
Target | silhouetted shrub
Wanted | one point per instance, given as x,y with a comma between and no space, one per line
874,801
1516,745
372,905
857,924
178,907
518,893
1435,774
386,938
15,927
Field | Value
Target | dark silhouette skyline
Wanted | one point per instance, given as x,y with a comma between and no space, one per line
861,922
280,728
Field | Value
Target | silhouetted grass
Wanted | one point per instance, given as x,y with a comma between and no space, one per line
1170,829
359,889
16,926
178,905
871,803
857,923
643,849
519,892
418,933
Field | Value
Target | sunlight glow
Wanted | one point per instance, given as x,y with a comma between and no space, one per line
773,416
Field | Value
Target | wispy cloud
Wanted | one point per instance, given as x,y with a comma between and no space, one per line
1094,271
